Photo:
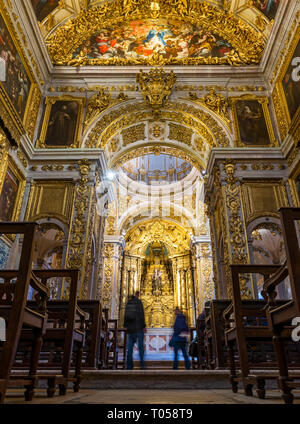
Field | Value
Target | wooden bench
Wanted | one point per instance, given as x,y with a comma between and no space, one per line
104,339
246,322
64,337
93,329
122,348
18,315
216,351
198,361
280,315
112,344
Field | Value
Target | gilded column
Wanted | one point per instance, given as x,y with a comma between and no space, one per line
110,294
78,243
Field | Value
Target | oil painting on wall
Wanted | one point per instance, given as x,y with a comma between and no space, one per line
267,7
291,86
251,123
17,83
62,124
141,39
43,8
8,196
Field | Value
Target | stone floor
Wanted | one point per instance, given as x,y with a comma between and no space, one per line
88,396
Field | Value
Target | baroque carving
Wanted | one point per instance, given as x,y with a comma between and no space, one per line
133,134
236,226
78,228
106,295
100,102
180,133
156,87
214,101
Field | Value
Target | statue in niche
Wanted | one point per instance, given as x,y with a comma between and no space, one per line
156,282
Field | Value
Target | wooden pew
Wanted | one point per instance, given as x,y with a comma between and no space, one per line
14,309
112,344
62,335
122,348
104,339
280,315
198,361
245,321
92,347
216,351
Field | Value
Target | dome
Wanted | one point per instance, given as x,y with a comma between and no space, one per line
157,169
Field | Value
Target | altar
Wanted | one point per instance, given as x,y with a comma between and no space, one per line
157,344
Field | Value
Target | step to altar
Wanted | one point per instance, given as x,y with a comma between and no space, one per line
155,379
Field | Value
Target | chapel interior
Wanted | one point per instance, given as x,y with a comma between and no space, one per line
151,146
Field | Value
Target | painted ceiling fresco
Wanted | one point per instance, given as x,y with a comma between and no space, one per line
133,32
142,39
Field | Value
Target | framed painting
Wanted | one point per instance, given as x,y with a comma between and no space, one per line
252,121
62,122
43,8
267,7
289,84
19,84
11,192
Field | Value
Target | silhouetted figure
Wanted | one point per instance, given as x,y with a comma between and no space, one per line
179,339
134,321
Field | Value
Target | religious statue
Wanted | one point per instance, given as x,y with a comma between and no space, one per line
156,281
97,104
216,102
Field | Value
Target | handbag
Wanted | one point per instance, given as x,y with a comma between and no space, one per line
177,339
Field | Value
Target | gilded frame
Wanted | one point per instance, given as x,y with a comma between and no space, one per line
264,101
33,101
293,187
279,86
49,102
12,167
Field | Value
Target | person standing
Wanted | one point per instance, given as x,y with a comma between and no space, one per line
134,322
179,339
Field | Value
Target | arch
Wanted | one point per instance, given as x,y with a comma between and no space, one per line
143,208
152,148
206,123
147,231
189,131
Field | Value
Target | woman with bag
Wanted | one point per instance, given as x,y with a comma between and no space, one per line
179,339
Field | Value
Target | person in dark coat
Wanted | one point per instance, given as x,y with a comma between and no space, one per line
179,340
134,322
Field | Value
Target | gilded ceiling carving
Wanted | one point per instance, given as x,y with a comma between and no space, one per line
106,35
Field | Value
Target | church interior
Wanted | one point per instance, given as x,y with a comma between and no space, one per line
149,146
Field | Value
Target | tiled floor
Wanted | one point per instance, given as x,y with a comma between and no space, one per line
221,396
